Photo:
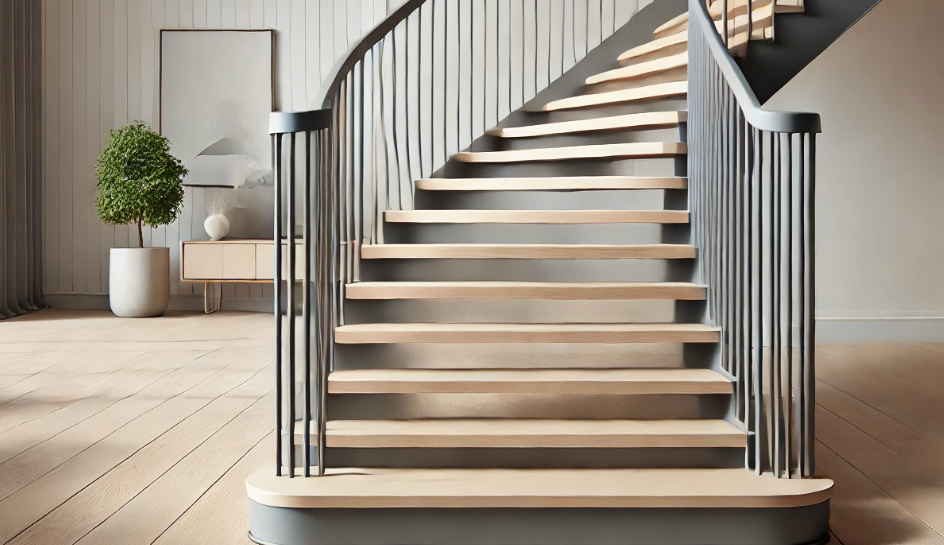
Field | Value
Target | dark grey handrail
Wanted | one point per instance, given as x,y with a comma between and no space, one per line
344,65
765,120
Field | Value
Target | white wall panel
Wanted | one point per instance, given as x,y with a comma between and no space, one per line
101,71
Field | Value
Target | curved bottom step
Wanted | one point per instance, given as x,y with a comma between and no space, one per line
552,507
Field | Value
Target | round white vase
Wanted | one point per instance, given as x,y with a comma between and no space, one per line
216,226
139,281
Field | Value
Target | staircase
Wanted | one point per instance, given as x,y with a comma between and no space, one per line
538,348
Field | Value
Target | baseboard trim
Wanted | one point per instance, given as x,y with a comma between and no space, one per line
178,301
864,329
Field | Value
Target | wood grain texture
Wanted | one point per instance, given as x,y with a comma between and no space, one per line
527,381
538,433
575,183
527,251
525,333
646,120
536,488
654,46
76,469
525,290
641,69
594,151
649,92
536,216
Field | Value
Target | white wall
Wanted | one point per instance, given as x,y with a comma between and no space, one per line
880,174
100,72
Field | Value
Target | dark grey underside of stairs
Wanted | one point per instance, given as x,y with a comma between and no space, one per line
799,38
785,526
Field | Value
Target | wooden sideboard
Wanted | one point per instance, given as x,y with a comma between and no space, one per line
232,260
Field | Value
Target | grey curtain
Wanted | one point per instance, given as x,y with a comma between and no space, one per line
21,174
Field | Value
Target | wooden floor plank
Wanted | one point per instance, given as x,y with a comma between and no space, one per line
221,515
150,513
150,384
74,505
863,514
918,449
173,398
913,488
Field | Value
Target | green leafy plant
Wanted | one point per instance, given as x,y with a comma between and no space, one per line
139,181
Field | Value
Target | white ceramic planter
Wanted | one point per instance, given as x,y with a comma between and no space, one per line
139,281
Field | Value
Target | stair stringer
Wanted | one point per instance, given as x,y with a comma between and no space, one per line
798,39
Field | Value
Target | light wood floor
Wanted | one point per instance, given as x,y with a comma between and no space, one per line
128,432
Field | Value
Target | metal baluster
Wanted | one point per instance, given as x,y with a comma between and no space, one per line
788,410
306,310
810,386
760,417
290,301
777,279
277,284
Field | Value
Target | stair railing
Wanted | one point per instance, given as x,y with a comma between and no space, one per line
751,197
416,89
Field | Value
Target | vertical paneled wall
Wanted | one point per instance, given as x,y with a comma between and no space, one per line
21,288
100,72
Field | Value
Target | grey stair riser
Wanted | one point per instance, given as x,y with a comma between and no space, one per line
517,233
614,136
412,406
560,270
642,199
663,166
787,526
510,356
523,458
508,311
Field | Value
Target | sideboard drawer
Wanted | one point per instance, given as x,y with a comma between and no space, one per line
239,262
202,261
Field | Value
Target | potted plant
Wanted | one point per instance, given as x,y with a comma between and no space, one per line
139,183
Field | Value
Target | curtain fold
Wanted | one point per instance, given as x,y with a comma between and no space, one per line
21,288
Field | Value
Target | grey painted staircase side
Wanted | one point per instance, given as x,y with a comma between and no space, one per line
798,39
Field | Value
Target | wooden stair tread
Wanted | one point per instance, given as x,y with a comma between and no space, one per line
563,183
537,216
674,25
528,381
526,290
648,92
527,251
536,488
631,121
531,433
641,69
564,153
654,46
525,333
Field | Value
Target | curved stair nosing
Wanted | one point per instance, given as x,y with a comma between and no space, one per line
358,488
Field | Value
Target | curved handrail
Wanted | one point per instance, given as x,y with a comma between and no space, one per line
344,65
766,120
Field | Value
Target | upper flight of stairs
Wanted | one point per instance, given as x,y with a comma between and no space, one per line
637,421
